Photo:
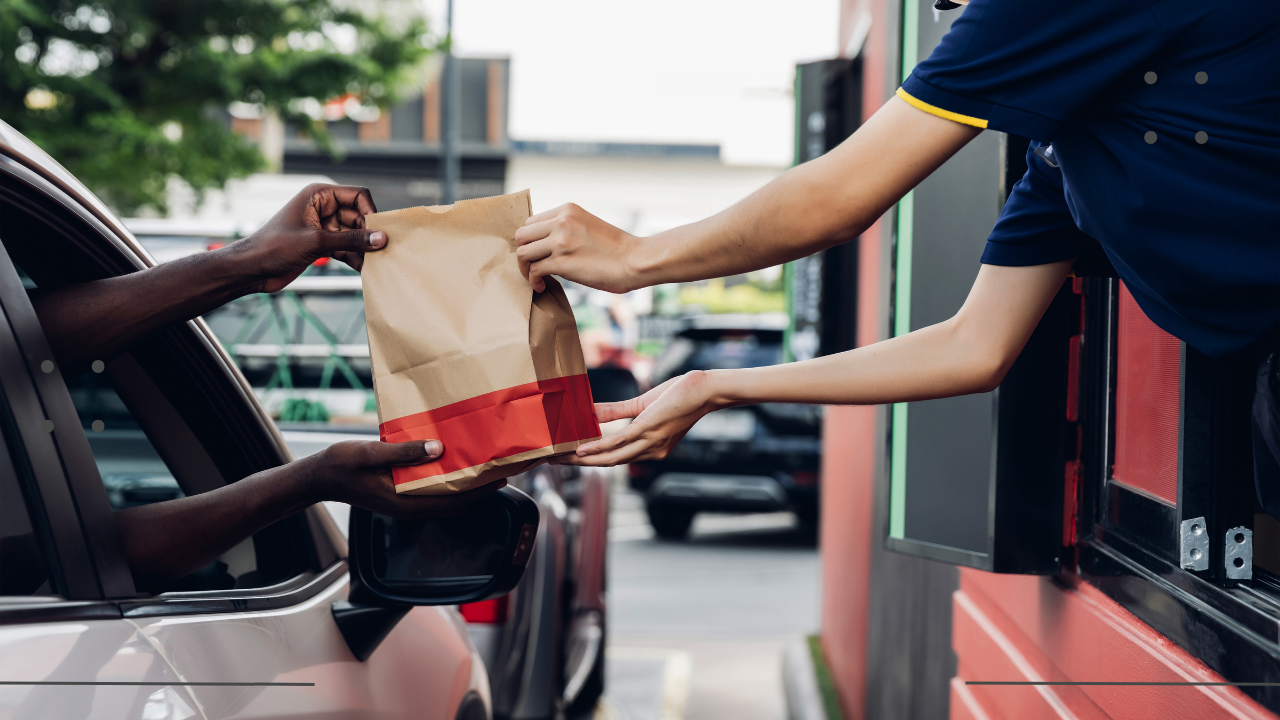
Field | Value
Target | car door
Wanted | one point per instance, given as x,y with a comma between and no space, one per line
251,635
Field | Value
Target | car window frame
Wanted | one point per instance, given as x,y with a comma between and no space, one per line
112,255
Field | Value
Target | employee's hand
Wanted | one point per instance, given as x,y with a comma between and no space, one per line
662,417
578,246
321,221
359,473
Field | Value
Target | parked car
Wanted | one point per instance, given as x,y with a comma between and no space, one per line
174,416
758,458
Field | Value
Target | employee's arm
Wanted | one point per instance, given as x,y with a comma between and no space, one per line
811,207
96,320
169,540
969,353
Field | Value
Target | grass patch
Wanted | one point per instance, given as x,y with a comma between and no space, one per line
830,701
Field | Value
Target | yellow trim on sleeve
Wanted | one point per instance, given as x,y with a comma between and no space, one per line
946,114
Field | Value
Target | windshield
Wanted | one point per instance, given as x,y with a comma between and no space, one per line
723,353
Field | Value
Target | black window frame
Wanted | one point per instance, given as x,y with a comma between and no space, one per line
96,251
1129,542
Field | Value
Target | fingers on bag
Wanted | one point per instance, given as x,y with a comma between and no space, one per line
463,350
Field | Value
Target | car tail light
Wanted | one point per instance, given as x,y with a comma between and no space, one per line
804,478
321,262
215,245
485,612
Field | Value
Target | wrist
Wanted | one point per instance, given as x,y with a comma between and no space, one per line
641,262
720,389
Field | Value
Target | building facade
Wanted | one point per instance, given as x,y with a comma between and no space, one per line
905,634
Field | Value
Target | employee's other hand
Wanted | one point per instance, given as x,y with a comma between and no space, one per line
578,246
359,473
321,221
662,417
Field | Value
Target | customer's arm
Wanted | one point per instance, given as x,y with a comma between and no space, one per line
811,207
95,320
169,540
969,353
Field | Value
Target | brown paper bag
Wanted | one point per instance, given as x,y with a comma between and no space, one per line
463,351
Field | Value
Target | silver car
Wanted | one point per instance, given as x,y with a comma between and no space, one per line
276,627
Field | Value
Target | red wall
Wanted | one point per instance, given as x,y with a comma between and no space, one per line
851,442
1024,628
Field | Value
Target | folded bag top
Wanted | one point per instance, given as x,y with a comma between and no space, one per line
465,352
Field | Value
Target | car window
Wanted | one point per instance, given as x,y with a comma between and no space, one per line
728,352
134,473
24,568
146,453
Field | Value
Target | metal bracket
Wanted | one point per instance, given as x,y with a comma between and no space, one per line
1194,551
1239,554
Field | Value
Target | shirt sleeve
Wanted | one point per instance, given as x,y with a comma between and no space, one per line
1027,68
1036,226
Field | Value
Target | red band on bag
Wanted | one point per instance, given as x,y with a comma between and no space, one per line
497,425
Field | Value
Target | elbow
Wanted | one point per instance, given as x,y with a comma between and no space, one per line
983,364
988,378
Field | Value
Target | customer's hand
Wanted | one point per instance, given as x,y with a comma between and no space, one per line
359,473
321,221
662,417
578,246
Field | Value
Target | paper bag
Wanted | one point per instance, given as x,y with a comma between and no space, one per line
465,352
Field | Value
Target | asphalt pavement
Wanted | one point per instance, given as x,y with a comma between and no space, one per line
697,628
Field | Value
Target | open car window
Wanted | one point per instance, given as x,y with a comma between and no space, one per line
168,418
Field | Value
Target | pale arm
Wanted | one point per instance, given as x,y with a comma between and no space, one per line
821,203
969,353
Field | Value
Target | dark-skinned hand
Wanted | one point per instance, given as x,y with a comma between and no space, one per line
359,473
321,221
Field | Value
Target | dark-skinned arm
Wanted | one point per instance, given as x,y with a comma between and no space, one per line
97,320
169,540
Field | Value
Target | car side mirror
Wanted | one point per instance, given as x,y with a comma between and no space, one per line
396,564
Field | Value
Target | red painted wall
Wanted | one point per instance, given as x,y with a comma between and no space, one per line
1024,628
851,443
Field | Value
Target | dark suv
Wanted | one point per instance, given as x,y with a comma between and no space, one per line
759,458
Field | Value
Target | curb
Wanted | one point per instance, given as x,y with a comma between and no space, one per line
804,700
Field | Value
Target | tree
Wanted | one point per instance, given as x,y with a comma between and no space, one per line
128,93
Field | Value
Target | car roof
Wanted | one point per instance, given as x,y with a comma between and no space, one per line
17,147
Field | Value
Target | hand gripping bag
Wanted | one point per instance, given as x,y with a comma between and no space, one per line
465,352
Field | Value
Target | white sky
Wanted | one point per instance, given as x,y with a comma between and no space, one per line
663,71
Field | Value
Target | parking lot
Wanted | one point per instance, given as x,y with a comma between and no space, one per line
697,628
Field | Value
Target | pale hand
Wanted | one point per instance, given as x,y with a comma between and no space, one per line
662,417
576,245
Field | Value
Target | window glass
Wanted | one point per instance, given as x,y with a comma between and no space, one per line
1148,364
134,473
24,569
726,352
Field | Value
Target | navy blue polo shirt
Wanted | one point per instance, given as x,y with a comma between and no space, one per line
1164,119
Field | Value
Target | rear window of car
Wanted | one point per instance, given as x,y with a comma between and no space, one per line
728,351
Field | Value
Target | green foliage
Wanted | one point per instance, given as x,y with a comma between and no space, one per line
127,93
